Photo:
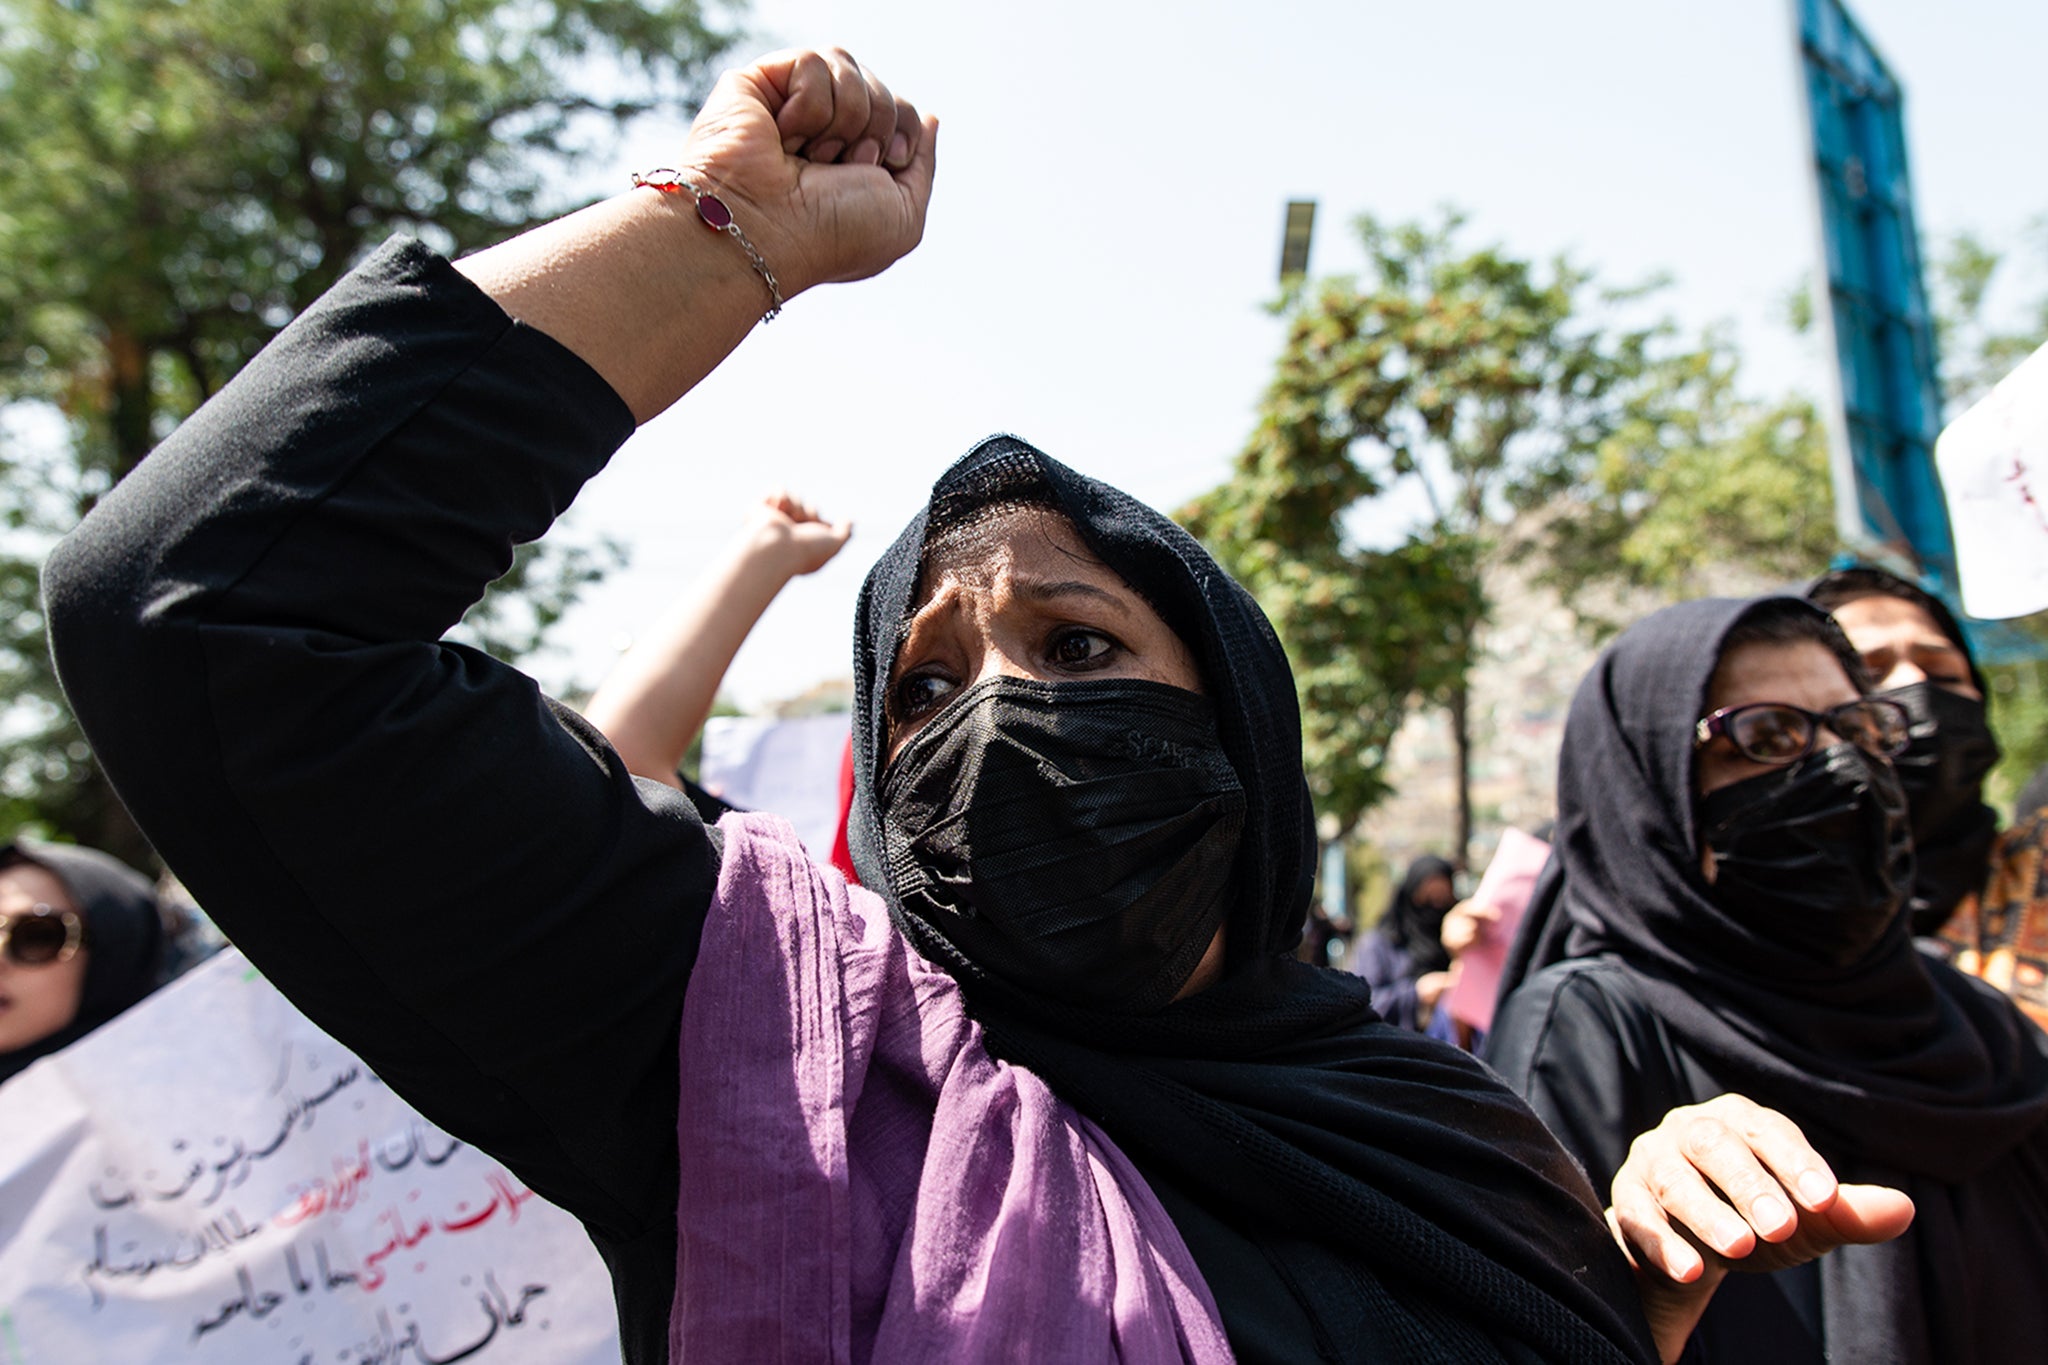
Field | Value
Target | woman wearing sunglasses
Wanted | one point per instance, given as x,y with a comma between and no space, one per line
81,939
1725,917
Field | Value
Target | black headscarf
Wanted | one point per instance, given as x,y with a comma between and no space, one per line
1416,927
1419,1208
1894,1060
1900,1070
1952,853
124,937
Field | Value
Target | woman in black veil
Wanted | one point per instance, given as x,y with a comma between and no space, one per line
1724,915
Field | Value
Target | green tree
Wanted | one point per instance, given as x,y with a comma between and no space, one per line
1695,476
1490,382
1976,351
182,176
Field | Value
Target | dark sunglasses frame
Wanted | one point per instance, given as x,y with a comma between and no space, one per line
74,935
1723,722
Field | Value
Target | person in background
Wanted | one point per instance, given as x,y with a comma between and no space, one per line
82,938
1403,957
1724,916
1978,898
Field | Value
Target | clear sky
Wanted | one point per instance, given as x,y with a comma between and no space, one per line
1106,226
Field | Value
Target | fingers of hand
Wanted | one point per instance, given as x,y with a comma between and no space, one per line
905,138
1684,1176
1870,1213
1649,1240
832,105
872,143
1780,1145
787,504
804,82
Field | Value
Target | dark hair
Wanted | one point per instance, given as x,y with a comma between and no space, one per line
1788,621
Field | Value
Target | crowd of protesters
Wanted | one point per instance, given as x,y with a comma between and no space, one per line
1037,1074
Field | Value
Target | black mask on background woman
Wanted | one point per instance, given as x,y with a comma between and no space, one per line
1942,772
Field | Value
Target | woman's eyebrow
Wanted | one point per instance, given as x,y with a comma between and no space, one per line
1042,591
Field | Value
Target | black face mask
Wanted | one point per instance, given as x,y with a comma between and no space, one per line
1074,839
1942,772
1815,856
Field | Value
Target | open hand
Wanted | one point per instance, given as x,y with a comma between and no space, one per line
829,172
1730,1185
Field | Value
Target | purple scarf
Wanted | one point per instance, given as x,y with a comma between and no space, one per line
862,1181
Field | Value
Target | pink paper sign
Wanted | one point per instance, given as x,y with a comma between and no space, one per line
1509,881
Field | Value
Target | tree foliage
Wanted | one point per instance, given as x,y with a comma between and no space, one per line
1484,379
182,176
1695,476
1976,348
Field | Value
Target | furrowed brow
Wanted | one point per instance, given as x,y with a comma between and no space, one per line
1044,592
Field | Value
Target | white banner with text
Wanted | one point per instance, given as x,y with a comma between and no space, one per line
211,1180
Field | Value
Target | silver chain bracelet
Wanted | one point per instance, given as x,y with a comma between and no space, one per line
714,213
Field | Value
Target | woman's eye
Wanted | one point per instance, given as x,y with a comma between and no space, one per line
920,692
1080,650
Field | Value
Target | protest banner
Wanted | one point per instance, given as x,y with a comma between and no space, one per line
211,1180
1994,470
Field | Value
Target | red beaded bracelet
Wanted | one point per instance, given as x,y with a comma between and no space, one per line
718,217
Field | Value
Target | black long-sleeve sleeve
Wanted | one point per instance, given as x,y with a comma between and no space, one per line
1599,1068
451,875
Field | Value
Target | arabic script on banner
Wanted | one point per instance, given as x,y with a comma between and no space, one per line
211,1180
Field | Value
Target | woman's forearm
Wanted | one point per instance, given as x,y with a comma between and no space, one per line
636,286
660,693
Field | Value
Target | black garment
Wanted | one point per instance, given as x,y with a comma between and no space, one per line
460,881
126,955
452,876
1408,1205
1419,928
1900,1070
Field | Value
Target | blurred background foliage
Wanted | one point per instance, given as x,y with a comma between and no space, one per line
1549,419
183,176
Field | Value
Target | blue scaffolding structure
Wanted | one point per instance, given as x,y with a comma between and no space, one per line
1887,413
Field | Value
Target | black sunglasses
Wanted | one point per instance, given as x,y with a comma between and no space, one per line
41,935
1779,732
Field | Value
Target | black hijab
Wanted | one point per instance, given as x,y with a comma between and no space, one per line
1416,1207
1893,1060
1419,928
1952,844
124,938
1900,1070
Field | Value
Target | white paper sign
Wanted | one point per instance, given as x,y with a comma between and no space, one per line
211,1180
1994,473
788,768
